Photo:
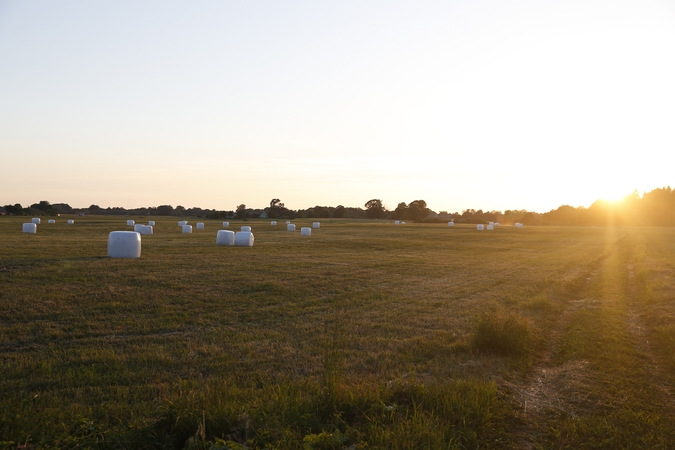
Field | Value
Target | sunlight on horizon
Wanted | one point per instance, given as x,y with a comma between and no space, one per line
493,106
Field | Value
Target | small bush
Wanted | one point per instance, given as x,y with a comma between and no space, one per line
503,334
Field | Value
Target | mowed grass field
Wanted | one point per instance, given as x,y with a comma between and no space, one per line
363,335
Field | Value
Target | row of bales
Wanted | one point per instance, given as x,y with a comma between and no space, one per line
31,227
127,244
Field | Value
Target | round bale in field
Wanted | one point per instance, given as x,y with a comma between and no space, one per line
305,231
151,223
29,228
137,227
187,228
131,223
146,229
51,221
35,220
124,244
71,221
490,227
225,237
244,239
480,227
246,228
226,224
316,225
290,227
273,223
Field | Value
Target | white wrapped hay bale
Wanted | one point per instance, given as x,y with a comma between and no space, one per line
290,227
151,223
288,222
200,225
245,228
397,222
490,227
51,221
273,223
402,223
496,224
305,231
35,220
29,228
225,237
131,223
182,223
146,229
124,244
451,224
480,227
519,225
491,223
187,228
244,239
226,224
316,225
71,221
137,227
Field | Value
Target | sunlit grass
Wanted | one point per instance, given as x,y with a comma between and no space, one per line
362,334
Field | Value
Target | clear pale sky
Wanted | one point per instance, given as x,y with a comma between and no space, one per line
466,104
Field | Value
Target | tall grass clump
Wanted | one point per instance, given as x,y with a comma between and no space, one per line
506,334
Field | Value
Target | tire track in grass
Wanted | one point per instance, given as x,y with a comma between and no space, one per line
598,384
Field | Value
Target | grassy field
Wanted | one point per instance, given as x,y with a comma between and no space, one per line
364,335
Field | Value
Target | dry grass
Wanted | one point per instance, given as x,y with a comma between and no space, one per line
362,334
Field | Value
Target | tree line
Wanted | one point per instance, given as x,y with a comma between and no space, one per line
654,208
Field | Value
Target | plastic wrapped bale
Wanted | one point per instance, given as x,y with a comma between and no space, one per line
402,223
51,221
124,244
305,231
316,225
182,223
200,225
131,223
273,223
451,224
29,228
35,220
187,228
151,223
137,227
244,239
496,224
246,228
226,224
71,221
490,227
290,227
491,223
480,227
397,222
288,222
146,229
225,237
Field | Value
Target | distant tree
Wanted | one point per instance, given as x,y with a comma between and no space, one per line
179,210
241,211
44,207
417,210
339,212
15,209
374,209
164,210
400,211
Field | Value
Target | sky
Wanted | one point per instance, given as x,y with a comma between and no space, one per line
493,105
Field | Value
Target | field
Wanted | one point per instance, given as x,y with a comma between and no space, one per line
364,335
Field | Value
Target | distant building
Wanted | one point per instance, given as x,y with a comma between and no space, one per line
3,211
263,215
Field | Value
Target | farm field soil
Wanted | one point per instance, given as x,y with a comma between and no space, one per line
363,335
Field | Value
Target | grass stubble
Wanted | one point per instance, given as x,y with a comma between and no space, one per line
364,335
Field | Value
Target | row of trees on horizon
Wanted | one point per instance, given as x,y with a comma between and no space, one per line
655,208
